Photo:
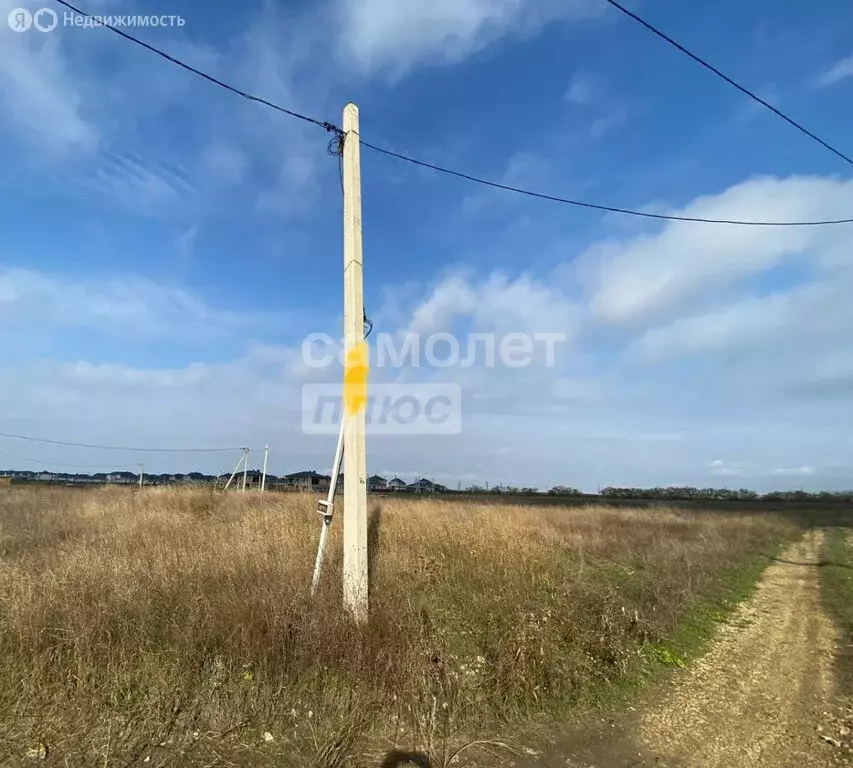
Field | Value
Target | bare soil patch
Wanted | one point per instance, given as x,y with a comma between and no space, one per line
765,694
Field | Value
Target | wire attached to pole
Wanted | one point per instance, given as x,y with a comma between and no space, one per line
340,137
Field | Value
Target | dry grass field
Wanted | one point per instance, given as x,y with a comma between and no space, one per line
173,627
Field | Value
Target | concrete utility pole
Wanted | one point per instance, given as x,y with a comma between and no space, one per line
264,476
141,474
355,461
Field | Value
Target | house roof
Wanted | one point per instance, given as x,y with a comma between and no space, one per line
376,479
424,483
306,475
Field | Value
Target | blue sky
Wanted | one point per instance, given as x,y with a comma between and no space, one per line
167,246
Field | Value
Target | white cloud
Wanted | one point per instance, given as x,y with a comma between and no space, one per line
525,170
602,125
185,242
295,188
581,89
830,374
724,469
794,472
39,95
113,100
128,307
496,304
605,111
841,70
748,322
789,344
223,164
299,74
142,185
773,386
242,401
637,279
395,35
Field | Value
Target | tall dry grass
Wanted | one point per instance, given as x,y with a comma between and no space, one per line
175,625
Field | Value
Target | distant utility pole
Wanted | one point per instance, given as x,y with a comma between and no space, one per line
264,476
141,473
355,460
245,467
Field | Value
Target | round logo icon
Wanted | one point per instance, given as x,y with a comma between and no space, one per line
45,20
20,20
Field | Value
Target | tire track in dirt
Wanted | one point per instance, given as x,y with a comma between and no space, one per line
756,698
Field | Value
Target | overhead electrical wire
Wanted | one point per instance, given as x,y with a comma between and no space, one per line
596,206
210,78
54,463
331,127
118,447
729,80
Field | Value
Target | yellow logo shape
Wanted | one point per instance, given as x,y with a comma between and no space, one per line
355,378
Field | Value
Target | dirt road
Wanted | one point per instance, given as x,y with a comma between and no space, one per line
764,694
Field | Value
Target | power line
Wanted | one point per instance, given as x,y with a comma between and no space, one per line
729,80
597,207
468,177
54,463
321,123
118,448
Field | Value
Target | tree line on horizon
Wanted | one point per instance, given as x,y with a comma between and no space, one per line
678,493
670,493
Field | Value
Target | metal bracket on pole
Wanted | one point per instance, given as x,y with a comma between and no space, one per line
326,506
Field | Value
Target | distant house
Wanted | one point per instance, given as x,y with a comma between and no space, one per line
122,477
253,479
396,484
377,483
307,481
425,486
198,477
45,477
